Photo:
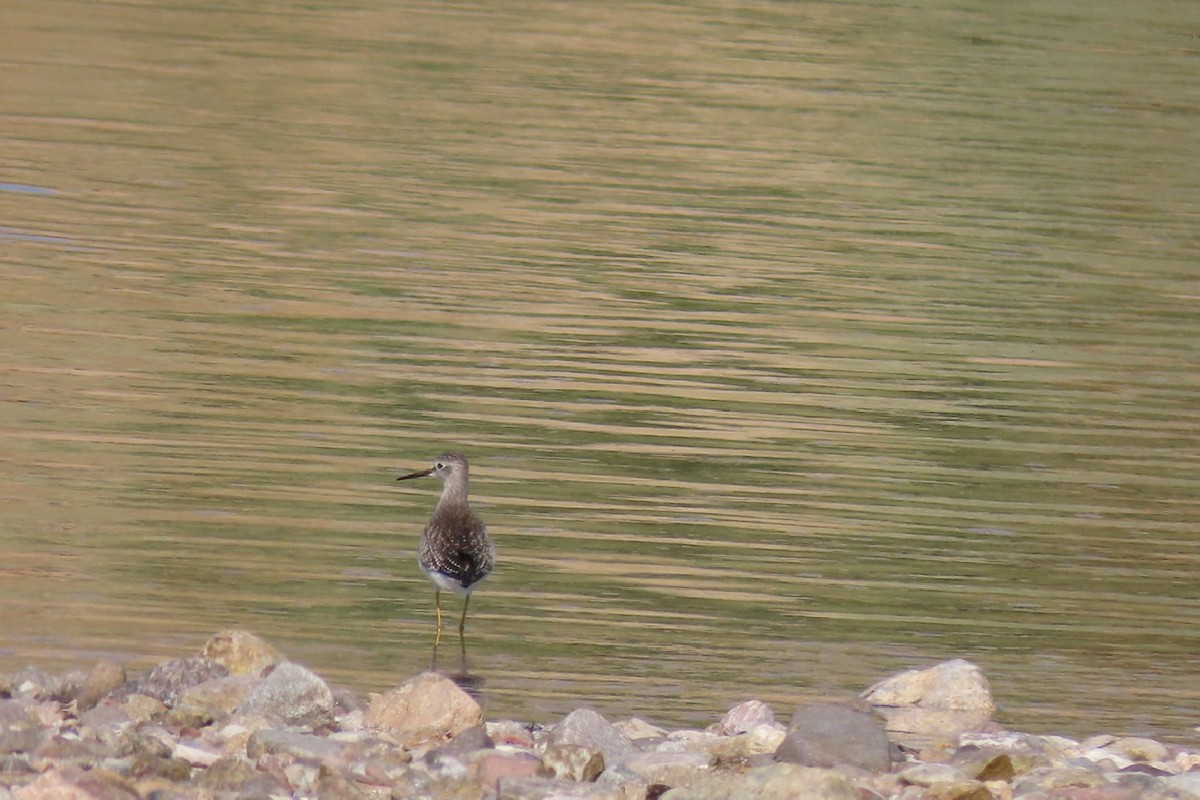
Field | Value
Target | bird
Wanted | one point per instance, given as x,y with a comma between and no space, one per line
456,551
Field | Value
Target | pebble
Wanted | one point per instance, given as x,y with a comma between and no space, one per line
240,720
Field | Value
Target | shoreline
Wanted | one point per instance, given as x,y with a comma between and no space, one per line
238,719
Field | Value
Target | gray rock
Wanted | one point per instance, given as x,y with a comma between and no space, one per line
466,742
826,735
776,782
292,694
1185,782
168,679
587,728
572,762
20,731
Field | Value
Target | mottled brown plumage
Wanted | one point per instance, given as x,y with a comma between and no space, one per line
456,551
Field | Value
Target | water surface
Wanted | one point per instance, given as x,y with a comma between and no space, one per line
792,345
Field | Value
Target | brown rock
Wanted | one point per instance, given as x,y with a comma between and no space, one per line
776,782
493,767
954,685
72,783
572,762
216,698
427,707
105,677
239,775
241,652
745,717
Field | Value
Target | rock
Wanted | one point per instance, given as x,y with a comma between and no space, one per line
333,786
587,728
1137,748
469,741
553,789
637,730
572,762
105,677
776,782
33,683
169,678
507,732
425,708
667,768
745,717
196,753
217,698
292,694
955,685
957,790
238,777
241,652
1049,779
929,774
299,745
493,767
826,735
1187,783
141,707
19,728
939,703
73,783
985,765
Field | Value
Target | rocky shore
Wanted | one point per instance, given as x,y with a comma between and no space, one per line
238,720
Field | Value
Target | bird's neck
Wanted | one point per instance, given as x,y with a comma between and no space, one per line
454,493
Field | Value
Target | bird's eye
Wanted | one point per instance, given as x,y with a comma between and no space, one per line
440,465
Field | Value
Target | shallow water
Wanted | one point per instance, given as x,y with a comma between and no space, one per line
792,345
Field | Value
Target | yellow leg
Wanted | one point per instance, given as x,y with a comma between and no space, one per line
437,603
462,623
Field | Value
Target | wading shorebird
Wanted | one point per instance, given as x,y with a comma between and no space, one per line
456,551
